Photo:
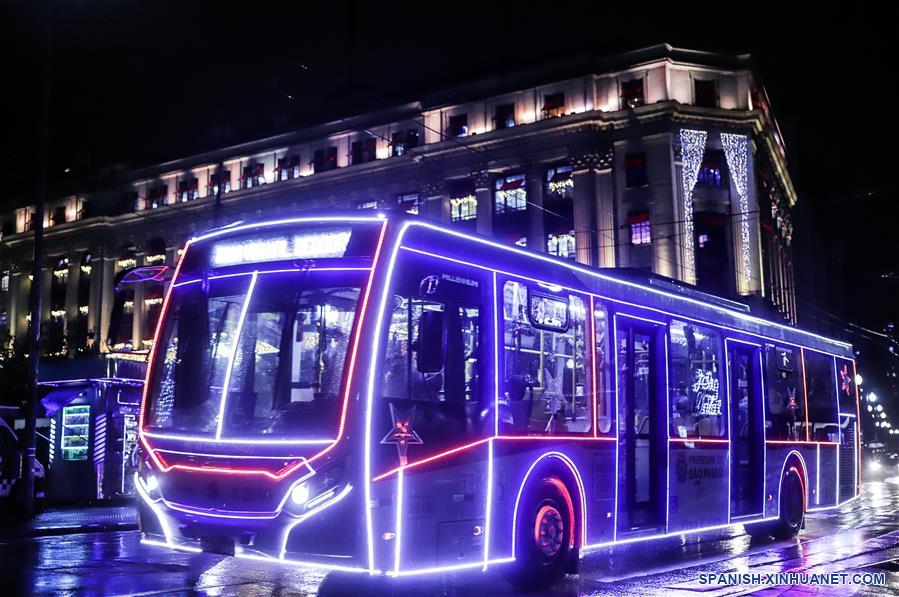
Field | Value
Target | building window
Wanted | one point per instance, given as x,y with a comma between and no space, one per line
510,194
188,190
559,182
632,93
703,240
4,282
408,202
561,245
635,170
288,167
402,141
324,159
363,150
640,228
214,183
553,104
157,196
463,208
705,93
710,174
253,175
504,117
458,126
59,215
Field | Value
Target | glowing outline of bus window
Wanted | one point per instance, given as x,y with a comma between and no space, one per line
233,356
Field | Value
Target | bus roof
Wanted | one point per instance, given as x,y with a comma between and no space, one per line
642,290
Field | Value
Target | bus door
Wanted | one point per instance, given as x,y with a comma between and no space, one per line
641,425
747,431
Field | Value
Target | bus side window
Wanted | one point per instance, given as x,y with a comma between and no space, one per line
547,382
604,389
822,399
785,412
442,401
695,372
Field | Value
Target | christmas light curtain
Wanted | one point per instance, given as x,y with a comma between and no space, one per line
692,144
736,150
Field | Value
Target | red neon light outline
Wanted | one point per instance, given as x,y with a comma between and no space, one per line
805,393
393,471
800,442
304,461
858,433
802,483
592,316
430,459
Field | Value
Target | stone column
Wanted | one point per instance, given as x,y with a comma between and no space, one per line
584,170
137,318
483,192
72,279
95,295
434,203
107,296
668,252
19,286
606,227
534,185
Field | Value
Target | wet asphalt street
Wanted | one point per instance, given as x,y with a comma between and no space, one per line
863,537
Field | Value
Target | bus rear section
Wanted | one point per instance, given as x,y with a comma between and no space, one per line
247,405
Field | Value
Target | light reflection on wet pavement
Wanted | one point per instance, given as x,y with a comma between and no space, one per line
863,536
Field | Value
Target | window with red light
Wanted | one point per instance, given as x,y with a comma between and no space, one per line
632,93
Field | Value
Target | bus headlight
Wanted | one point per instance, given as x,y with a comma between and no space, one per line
299,495
152,483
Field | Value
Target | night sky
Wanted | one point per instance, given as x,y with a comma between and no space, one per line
135,83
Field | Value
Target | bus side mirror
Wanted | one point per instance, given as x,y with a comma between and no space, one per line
431,348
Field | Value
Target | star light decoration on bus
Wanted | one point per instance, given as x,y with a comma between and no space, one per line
401,432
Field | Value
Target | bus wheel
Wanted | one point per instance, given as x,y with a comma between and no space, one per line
544,540
792,506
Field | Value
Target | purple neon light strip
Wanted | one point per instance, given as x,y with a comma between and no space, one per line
546,258
235,344
647,308
275,271
239,226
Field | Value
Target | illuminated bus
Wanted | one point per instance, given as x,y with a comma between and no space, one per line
381,394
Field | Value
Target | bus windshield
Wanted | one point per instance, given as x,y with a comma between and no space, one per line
267,351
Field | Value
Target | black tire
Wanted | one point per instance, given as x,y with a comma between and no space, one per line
792,510
792,506
544,539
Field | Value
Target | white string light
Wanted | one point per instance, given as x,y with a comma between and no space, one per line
736,150
692,149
